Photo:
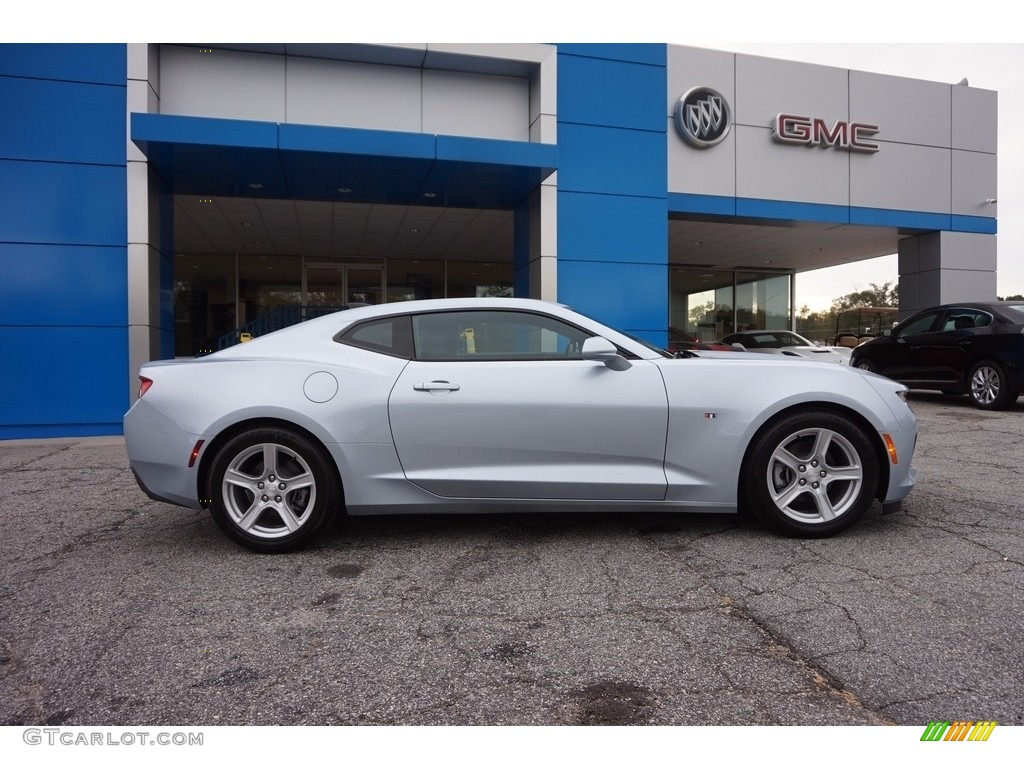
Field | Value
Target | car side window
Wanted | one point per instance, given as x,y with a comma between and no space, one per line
961,319
920,324
387,335
495,335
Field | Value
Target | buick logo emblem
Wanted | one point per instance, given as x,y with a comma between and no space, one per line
702,117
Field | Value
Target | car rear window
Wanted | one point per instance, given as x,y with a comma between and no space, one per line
387,335
1016,311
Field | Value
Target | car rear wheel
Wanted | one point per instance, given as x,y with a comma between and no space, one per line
271,490
811,475
866,366
989,388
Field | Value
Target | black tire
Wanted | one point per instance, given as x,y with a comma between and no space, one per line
989,387
790,477
272,490
866,366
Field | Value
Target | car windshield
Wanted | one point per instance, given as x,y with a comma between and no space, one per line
792,340
772,340
643,342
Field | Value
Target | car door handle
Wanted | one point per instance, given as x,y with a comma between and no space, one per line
436,386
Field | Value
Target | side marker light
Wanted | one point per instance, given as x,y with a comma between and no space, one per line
195,453
890,447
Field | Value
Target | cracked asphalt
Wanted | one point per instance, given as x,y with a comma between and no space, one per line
117,610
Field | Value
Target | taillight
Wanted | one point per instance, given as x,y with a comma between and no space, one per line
144,385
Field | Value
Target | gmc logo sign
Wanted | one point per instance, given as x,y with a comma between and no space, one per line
815,132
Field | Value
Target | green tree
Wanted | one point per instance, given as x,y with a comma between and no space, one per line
821,326
884,295
816,326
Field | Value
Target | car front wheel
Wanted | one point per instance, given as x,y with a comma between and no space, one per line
811,475
988,387
271,490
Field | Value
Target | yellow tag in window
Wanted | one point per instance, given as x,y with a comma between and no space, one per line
470,338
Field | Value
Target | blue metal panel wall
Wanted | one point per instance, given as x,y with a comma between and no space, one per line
63,240
612,185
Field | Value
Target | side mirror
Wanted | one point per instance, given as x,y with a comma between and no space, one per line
601,350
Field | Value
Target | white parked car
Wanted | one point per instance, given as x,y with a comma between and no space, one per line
481,405
786,343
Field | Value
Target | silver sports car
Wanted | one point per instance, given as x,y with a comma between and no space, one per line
477,405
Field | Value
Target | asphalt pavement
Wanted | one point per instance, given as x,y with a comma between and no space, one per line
118,610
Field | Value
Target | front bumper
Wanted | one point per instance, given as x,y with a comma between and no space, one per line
902,476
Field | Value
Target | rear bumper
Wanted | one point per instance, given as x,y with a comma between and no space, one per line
158,456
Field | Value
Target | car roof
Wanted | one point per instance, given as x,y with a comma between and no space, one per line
974,305
326,326
765,330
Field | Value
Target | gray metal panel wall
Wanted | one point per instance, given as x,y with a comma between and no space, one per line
709,171
974,182
275,88
466,104
353,95
937,141
905,177
974,119
243,86
907,111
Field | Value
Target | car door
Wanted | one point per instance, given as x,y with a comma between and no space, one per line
943,353
501,404
901,359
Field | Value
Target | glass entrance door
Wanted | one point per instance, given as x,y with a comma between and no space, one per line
332,286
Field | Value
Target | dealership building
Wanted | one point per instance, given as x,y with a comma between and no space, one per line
162,200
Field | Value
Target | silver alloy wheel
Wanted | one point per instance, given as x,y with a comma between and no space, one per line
815,475
985,384
269,490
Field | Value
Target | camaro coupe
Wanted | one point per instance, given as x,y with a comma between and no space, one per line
476,405
975,349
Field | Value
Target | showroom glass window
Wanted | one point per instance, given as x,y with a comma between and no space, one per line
708,304
495,335
762,300
701,303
